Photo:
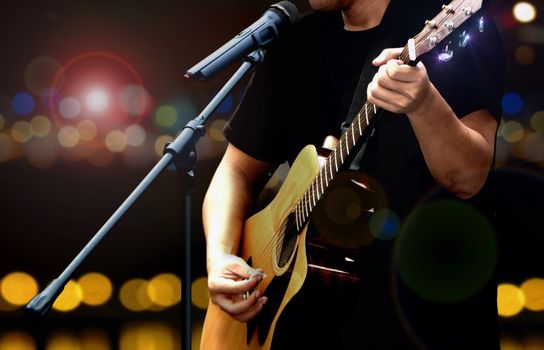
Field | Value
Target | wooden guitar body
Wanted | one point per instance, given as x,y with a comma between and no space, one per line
270,242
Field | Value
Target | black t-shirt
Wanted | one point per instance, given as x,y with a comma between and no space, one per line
302,93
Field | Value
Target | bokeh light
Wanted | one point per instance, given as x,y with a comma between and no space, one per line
116,141
16,340
87,130
512,131
524,12
531,147
95,339
68,136
510,300
135,135
161,142
215,131
134,295
21,131
96,288
537,122
200,294
166,116
9,149
525,55
533,290
135,100
512,103
69,107
63,341
23,103
97,100
70,298
18,288
164,289
39,74
384,224
446,251
41,126
149,335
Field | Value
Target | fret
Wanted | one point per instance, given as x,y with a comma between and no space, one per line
375,110
305,205
313,192
359,122
321,177
347,147
326,179
341,156
366,111
353,135
296,217
335,161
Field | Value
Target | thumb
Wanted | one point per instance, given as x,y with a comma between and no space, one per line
386,55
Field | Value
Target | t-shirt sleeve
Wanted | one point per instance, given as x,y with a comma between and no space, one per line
473,79
256,127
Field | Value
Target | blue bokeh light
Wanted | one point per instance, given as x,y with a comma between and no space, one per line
23,103
512,103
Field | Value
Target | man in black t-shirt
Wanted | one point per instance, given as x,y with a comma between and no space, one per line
426,276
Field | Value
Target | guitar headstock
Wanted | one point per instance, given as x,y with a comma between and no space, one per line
443,24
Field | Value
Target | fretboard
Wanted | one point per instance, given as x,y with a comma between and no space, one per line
334,162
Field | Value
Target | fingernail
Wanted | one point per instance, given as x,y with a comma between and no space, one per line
264,300
257,294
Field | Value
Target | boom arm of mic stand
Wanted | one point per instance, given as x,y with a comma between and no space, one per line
184,143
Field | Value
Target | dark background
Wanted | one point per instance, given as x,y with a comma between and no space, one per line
49,213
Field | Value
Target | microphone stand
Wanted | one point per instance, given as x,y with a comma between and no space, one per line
183,153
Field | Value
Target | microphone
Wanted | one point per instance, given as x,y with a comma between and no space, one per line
258,35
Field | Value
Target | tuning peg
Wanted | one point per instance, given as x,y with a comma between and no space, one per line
446,54
464,39
467,11
481,24
431,24
448,9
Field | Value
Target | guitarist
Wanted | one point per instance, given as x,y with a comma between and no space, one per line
433,142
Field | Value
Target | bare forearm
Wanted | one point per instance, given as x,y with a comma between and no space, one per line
458,156
225,206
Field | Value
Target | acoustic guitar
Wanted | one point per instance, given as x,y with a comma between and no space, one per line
275,239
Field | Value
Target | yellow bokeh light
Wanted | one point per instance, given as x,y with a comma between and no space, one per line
41,126
63,341
70,298
116,141
200,294
96,288
2,122
510,300
95,339
18,288
524,12
165,289
160,142
68,136
147,336
87,130
216,130
166,116
17,341
9,149
537,122
512,131
508,343
41,153
21,131
134,296
533,290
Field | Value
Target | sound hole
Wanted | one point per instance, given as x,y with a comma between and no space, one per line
288,239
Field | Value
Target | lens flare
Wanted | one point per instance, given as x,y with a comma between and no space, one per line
97,100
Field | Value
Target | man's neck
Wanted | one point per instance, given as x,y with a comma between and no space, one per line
363,14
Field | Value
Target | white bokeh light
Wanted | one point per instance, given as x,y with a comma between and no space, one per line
97,100
69,107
